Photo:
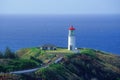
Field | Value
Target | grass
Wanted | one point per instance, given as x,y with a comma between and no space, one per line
28,52
89,52
88,61
43,55
60,50
18,64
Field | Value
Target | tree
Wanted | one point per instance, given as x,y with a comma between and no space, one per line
8,53
1,54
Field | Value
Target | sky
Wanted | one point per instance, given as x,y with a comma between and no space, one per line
59,6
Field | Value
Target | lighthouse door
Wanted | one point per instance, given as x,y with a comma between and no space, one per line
70,47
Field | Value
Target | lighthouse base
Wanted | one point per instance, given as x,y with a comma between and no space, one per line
71,43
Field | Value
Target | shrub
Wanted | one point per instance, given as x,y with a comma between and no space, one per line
8,53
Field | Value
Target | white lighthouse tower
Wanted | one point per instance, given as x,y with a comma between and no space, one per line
71,39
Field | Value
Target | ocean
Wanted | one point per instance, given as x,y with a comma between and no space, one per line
101,32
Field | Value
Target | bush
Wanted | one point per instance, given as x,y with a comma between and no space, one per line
1,55
9,54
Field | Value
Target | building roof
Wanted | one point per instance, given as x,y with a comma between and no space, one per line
71,28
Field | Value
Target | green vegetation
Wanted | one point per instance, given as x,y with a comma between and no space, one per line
8,54
54,69
89,52
60,50
44,55
79,67
17,64
28,52
10,77
1,55
10,61
89,64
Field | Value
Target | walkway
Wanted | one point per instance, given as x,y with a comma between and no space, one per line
35,69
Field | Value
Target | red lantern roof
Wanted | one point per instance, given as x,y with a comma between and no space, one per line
71,28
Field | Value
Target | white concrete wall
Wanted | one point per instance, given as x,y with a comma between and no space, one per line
71,42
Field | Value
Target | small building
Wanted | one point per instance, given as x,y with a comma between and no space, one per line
48,47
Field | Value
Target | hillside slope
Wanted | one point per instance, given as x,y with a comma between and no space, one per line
89,65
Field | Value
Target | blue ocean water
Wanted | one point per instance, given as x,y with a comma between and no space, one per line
100,32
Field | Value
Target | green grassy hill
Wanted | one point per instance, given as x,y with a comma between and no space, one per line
89,64
43,55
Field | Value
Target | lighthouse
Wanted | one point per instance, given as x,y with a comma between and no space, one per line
71,38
